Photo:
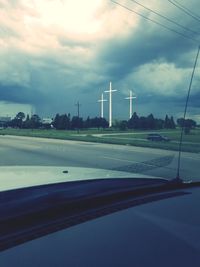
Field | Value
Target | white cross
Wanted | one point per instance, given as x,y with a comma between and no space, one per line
101,101
131,97
110,103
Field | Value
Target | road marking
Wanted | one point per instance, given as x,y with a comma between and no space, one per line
120,159
186,157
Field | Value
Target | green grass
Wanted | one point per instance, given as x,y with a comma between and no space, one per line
195,148
120,138
174,135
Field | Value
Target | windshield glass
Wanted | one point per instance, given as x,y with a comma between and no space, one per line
99,84
99,133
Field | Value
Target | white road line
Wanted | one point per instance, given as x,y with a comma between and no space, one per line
120,159
186,157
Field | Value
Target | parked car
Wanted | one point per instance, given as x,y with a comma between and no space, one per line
157,137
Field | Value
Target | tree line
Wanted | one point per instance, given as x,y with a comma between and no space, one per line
65,122
60,122
151,123
145,123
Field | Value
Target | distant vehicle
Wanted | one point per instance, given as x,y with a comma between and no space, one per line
157,137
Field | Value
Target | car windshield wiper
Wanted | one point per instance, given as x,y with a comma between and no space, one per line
36,211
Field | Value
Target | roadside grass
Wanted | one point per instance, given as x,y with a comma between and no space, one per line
121,138
174,135
186,147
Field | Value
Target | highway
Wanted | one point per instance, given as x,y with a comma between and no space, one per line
25,151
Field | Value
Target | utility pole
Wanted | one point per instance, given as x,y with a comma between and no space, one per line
110,103
131,97
31,111
101,101
78,113
78,108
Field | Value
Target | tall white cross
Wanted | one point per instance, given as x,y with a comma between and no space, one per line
101,101
131,97
110,103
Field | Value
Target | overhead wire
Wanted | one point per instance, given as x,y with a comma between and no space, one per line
155,22
185,10
166,18
189,10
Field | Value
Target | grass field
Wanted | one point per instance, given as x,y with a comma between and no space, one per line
174,135
191,142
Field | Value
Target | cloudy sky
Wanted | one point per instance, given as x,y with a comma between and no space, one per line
56,52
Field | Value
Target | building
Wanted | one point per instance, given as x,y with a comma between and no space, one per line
4,121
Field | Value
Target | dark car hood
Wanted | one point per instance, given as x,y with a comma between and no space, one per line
161,233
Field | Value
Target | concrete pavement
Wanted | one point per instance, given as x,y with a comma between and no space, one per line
51,152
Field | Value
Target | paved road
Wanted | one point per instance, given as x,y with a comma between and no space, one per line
51,152
130,133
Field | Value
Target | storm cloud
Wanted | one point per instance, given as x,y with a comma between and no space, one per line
54,54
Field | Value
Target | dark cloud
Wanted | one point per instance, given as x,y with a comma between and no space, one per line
22,95
56,72
142,47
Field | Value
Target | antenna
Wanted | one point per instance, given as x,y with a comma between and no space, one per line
101,101
131,97
178,179
110,103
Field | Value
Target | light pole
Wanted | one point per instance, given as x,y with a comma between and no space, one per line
101,101
78,113
131,97
110,103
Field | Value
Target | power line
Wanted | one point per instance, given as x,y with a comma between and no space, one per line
156,22
166,18
184,9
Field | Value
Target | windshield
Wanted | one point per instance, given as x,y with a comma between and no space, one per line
99,114
100,84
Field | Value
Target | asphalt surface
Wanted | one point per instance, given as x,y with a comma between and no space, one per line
50,152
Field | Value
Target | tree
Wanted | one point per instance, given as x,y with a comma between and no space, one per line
190,123
180,122
150,122
172,123
20,116
104,123
87,123
133,123
56,121
187,124
35,121
62,122
76,123
65,122
123,125
159,123
18,120
26,123
143,123
167,122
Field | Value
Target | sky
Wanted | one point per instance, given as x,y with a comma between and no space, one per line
55,53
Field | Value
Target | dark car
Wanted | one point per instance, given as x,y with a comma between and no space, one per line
157,137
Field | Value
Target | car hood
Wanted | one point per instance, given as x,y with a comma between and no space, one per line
15,177
160,233
155,229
